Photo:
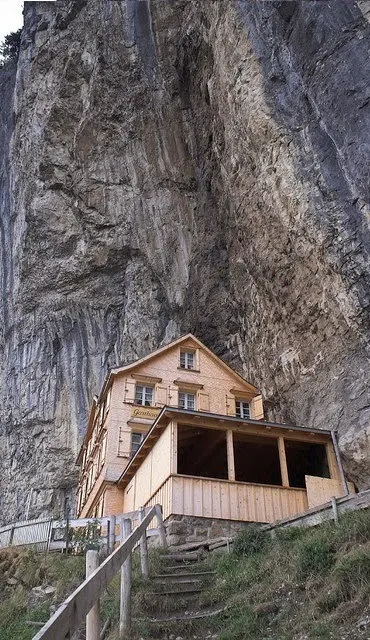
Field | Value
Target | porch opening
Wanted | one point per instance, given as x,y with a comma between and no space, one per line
201,452
305,459
256,459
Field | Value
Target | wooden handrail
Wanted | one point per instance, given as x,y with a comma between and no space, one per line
74,609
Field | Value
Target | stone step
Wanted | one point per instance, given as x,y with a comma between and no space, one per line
188,615
181,566
200,544
173,588
183,576
181,557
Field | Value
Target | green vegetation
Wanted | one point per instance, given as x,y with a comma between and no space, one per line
87,537
9,48
252,540
304,584
20,571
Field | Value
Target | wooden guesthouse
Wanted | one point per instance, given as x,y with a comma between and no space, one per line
182,429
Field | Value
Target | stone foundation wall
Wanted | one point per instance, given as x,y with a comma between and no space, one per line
185,529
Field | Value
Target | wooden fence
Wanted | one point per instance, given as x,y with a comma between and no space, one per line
83,601
52,535
325,512
35,532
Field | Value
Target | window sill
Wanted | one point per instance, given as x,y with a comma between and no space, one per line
142,406
191,370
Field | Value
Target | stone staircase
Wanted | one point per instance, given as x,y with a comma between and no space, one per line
176,593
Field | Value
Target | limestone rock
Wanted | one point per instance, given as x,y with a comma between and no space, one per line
173,166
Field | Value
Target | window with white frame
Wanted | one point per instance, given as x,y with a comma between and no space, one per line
187,359
242,409
136,440
186,400
144,395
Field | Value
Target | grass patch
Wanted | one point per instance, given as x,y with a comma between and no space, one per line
239,623
29,570
352,574
314,557
252,539
353,528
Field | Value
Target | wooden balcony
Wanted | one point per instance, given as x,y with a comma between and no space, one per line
228,500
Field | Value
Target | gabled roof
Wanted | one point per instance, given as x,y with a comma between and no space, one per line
189,336
128,367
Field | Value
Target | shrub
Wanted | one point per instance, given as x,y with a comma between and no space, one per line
314,557
9,49
240,623
84,538
353,527
353,573
251,540
290,534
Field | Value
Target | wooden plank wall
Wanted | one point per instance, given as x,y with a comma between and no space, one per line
152,473
320,490
163,497
211,498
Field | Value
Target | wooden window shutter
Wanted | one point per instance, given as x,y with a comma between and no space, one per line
256,408
203,401
173,396
160,395
124,441
230,405
129,391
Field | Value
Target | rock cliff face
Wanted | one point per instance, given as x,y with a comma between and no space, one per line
173,166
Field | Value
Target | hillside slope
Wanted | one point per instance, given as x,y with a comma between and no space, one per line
305,584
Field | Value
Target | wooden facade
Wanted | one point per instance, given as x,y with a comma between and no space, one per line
153,476
181,429
118,422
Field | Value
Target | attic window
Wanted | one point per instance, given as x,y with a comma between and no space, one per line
242,409
187,360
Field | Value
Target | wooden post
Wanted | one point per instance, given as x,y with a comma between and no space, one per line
93,617
111,535
161,529
283,463
67,535
50,532
126,578
143,548
174,434
339,461
230,455
334,506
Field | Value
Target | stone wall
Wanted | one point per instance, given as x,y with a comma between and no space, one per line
186,529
